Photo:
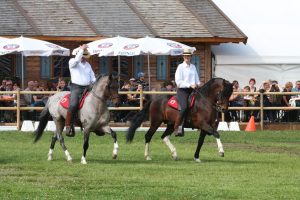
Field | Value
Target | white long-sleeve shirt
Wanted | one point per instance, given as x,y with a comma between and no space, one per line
186,75
81,72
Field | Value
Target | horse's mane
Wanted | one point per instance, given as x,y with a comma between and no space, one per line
206,88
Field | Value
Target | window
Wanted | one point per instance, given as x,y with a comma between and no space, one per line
174,62
104,65
6,66
45,67
196,61
124,66
138,64
61,66
161,67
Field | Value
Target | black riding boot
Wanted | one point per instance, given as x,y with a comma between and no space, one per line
70,131
178,127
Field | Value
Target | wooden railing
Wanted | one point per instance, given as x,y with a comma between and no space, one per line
18,108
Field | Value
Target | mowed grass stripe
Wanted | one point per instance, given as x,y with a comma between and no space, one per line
259,165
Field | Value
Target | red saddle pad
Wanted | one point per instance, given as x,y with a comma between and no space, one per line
64,102
174,104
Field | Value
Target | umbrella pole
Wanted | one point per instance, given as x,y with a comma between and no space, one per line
149,71
22,70
119,71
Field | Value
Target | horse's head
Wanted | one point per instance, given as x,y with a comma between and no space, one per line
217,91
106,87
223,96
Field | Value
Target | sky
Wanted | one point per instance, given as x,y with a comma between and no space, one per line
272,26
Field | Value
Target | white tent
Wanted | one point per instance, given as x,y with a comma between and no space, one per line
273,48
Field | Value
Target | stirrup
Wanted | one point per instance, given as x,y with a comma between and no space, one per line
70,131
180,132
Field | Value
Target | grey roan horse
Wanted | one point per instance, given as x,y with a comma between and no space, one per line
93,116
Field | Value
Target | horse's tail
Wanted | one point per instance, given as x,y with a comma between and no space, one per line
137,120
44,117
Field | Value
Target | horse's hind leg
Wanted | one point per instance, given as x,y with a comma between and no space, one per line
107,129
59,130
53,141
148,137
166,138
85,146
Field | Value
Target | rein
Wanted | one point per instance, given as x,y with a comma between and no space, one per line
215,105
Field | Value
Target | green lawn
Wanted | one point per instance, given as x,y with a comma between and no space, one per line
259,165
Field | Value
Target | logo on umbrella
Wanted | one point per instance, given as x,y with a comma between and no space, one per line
53,46
11,46
105,45
174,45
131,46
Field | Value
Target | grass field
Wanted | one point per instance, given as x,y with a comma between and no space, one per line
260,165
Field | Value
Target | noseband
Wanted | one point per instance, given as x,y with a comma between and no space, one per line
216,104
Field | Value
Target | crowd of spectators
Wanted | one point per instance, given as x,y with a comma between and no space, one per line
273,100
32,100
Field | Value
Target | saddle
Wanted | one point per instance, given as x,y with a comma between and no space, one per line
173,103
65,101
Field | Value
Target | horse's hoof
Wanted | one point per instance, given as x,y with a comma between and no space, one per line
197,160
114,156
83,161
221,154
50,158
148,158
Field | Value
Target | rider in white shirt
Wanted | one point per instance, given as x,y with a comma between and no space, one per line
82,76
187,79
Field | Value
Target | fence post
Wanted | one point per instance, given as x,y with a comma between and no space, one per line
141,99
18,110
261,111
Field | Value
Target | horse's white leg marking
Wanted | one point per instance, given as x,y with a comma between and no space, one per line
171,147
83,160
147,156
50,154
197,160
69,158
220,147
115,150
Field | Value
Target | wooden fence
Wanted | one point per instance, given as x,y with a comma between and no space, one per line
18,108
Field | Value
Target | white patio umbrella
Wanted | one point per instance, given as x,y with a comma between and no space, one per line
3,40
32,47
152,46
105,47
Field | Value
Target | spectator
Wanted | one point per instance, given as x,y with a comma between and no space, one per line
3,85
252,86
133,84
168,86
62,86
275,101
288,115
236,100
141,80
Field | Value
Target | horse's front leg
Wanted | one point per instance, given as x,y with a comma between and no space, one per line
216,134
85,146
200,143
219,143
166,138
107,129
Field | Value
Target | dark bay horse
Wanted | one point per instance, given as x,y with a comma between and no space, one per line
93,116
212,97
